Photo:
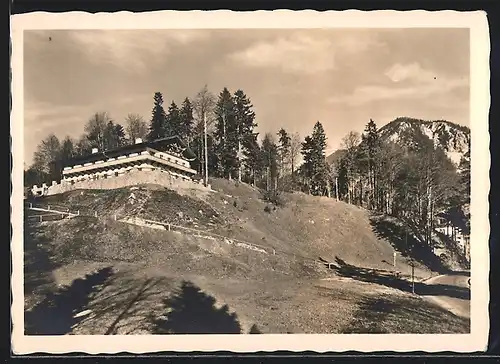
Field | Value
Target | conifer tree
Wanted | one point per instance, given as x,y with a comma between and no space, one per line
284,147
244,118
269,152
315,169
226,136
114,136
370,158
172,121
186,121
253,158
157,124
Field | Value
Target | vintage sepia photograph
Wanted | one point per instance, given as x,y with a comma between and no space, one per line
249,180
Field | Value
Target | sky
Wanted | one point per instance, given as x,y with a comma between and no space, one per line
294,77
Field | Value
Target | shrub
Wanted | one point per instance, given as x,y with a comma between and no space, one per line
267,209
274,197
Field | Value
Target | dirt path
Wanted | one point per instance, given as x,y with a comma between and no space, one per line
450,291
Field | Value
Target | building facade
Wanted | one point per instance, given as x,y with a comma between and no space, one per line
164,161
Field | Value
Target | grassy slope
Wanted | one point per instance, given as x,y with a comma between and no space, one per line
280,293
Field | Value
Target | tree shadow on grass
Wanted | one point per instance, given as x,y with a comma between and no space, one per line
55,315
125,304
403,315
389,280
39,262
406,243
191,311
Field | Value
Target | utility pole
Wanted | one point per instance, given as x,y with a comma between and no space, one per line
412,277
412,262
206,148
337,188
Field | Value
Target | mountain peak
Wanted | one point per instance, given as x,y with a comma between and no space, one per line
453,138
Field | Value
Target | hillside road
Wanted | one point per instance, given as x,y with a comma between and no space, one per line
450,291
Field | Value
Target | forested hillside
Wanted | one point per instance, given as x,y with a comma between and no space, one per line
406,169
412,169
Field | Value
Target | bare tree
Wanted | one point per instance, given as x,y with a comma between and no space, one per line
47,152
203,105
350,143
95,129
294,153
135,127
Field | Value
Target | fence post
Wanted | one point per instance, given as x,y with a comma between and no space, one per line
31,205
274,252
41,218
115,217
168,225
48,207
78,212
95,213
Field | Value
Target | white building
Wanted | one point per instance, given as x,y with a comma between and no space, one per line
164,161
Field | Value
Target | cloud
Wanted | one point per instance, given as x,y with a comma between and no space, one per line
134,49
406,81
409,72
297,53
371,93
314,52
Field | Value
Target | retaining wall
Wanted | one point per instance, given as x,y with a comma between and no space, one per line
131,178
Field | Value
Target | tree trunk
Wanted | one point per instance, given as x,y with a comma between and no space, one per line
268,176
206,149
348,191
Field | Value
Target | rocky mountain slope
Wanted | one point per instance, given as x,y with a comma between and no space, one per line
454,139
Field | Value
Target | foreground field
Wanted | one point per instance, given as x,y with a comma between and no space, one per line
98,275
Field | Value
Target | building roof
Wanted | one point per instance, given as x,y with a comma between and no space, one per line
133,148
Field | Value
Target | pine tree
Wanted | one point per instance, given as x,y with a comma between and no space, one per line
67,151
269,157
186,121
172,121
157,124
244,118
119,137
315,169
307,168
370,158
284,147
226,136
253,158
114,136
